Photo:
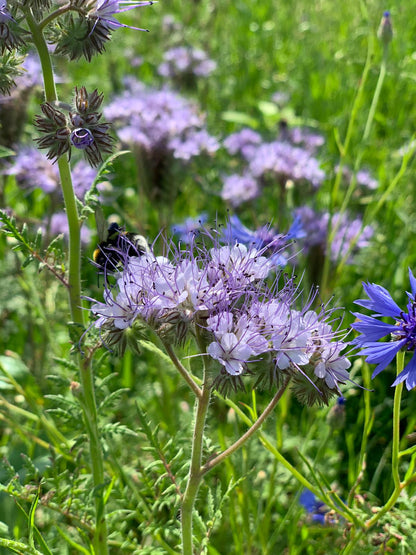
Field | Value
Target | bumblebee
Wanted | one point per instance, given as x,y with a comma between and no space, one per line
111,252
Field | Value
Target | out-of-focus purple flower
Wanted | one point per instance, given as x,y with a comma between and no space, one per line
308,139
281,98
285,162
33,170
186,231
194,144
32,73
243,142
59,224
159,121
183,61
402,333
363,177
239,188
349,238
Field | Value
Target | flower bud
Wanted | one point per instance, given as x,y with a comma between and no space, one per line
385,30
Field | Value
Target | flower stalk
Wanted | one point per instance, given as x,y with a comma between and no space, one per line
88,401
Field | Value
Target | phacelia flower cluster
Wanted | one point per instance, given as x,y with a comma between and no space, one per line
287,160
33,170
401,333
159,122
247,323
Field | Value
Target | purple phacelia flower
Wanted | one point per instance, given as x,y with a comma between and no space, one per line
223,292
59,225
349,238
243,142
285,162
306,138
183,62
402,333
238,189
106,10
33,170
160,122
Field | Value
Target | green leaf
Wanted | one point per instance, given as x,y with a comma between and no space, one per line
239,117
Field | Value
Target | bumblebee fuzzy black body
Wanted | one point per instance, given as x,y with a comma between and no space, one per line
119,243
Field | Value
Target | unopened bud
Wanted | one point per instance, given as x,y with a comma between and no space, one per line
385,30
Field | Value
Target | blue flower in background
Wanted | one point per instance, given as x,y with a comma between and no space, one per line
313,506
188,228
265,237
402,332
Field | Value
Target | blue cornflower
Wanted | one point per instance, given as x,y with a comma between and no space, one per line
265,237
313,506
403,332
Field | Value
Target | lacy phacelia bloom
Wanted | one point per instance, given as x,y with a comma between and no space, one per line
402,333
222,293
238,189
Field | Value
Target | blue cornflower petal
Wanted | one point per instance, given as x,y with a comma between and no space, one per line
370,328
408,374
381,354
380,301
412,280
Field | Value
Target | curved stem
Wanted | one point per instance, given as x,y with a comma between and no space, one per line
182,370
249,433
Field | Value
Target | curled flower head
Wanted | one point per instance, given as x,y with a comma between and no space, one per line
81,128
402,332
225,295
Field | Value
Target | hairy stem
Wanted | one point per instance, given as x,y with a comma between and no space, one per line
88,401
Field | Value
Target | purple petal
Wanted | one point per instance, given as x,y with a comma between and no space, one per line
408,374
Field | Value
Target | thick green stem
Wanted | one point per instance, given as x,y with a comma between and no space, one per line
74,278
96,454
195,474
74,287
